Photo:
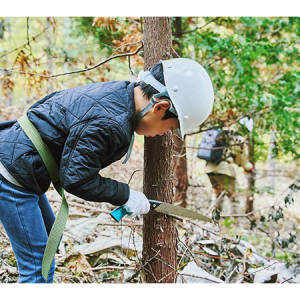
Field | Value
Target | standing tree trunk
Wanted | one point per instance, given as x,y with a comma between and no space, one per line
272,161
48,49
180,172
159,230
9,99
180,161
251,177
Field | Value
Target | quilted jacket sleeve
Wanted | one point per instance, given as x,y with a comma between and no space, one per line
88,145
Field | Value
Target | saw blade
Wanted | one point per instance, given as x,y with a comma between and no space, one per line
171,209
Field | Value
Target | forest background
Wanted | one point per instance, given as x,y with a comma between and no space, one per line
254,66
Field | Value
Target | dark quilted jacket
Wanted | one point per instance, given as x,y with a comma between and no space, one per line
86,128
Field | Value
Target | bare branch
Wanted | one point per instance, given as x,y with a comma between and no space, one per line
198,28
127,44
231,273
28,42
4,234
280,197
78,71
247,214
216,202
175,52
27,30
244,276
133,174
265,110
218,148
110,268
129,66
141,268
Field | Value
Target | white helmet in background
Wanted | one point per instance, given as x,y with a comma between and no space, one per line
190,89
248,122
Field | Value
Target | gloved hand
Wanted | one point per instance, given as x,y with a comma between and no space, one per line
137,204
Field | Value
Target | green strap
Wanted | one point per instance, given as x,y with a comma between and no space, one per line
62,216
129,150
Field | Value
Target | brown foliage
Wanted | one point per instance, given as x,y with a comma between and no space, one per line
108,22
9,112
23,60
131,35
7,85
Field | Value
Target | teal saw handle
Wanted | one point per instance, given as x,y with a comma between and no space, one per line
119,213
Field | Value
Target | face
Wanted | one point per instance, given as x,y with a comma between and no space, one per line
151,124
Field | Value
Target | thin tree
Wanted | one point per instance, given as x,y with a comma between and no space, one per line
180,160
251,178
159,230
48,50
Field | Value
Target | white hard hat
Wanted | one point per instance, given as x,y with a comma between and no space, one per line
190,89
248,122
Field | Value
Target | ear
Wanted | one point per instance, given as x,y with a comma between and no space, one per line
162,105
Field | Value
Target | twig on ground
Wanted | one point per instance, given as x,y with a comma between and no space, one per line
110,267
93,208
194,276
231,273
288,279
4,234
189,251
142,267
216,203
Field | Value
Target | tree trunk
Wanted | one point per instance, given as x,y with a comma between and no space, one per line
251,178
159,230
48,49
180,161
9,99
272,161
67,23
180,172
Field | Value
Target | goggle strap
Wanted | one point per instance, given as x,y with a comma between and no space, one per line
145,110
129,149
148,78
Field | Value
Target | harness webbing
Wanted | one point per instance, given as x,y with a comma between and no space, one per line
62,216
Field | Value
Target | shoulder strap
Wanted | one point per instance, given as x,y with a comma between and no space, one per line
62,216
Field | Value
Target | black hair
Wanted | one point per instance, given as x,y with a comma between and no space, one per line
148,90
158,74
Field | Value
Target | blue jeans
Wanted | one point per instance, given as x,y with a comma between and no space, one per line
27,219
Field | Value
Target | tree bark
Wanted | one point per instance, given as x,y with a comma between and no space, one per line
251,178
180,161
9,99
180,172
159,230
48,49
272,161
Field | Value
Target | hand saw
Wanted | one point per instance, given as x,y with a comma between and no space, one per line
162,207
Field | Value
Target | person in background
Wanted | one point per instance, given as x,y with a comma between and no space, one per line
223,175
